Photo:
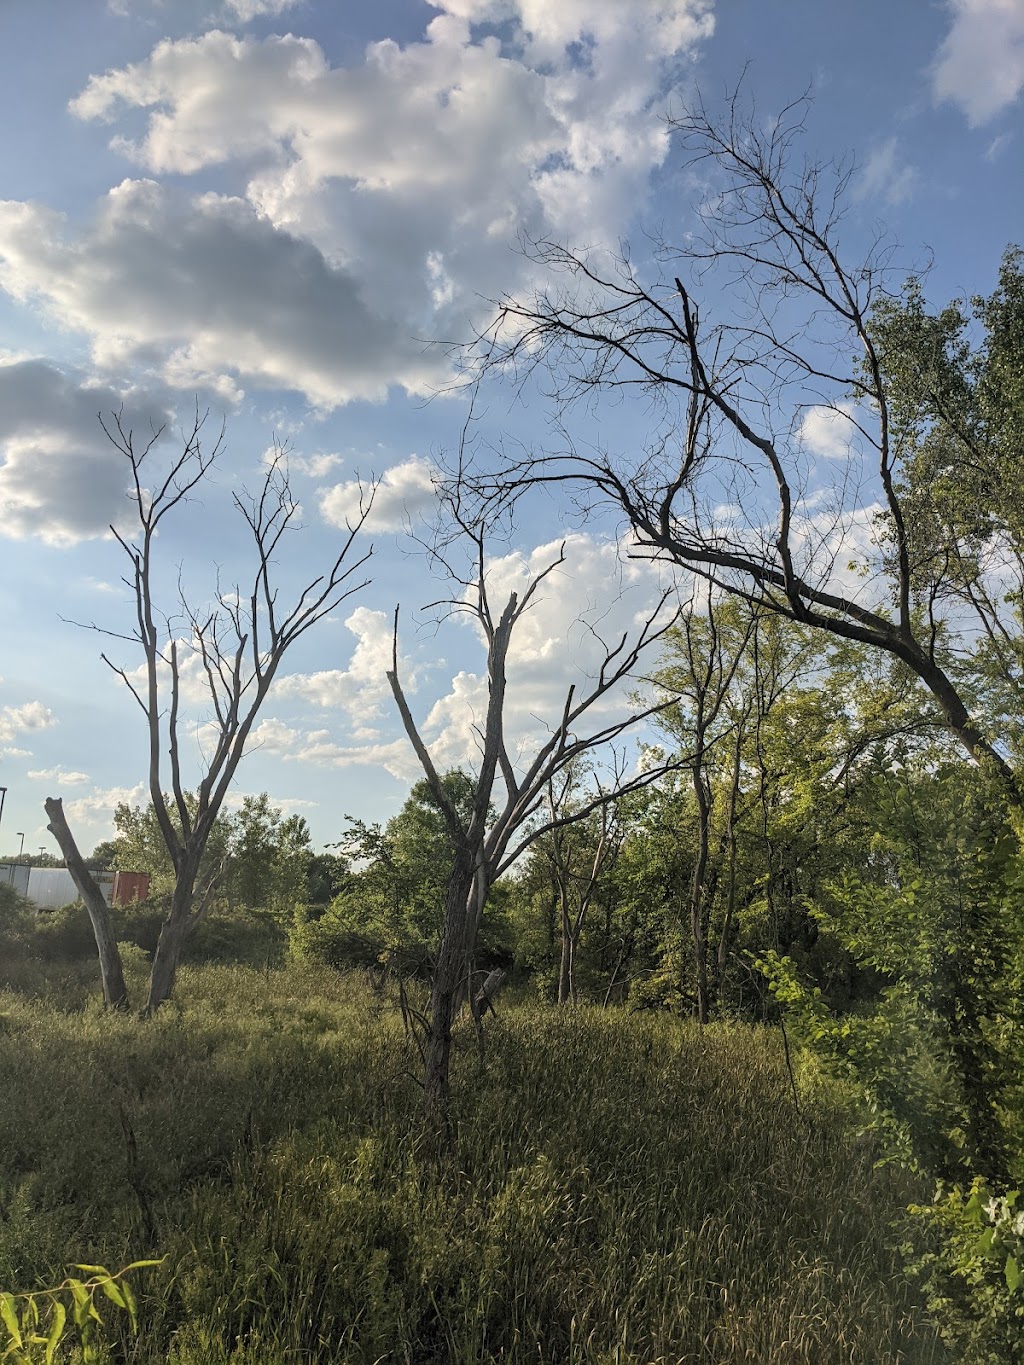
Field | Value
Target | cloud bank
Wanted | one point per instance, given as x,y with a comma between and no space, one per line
382,201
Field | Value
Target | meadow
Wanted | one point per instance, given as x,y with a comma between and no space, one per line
624,1189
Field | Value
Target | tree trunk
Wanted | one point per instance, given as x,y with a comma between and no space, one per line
725,935
566,983
446,989
115,992
484,998
697,894
173,933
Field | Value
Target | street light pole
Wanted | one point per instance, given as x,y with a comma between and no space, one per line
21,850
3,796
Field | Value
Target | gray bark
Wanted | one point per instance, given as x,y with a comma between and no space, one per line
115,992
446,990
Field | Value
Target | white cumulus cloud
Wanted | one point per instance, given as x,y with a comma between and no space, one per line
272,737
29,716
244,10
60,477
58,775
98,807
359,690
405,491
980,65
829,431
382,200
211,289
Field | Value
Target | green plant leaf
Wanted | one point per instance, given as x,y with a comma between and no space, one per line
113,1293
9,1314
57,1320
131,1307
1012,1272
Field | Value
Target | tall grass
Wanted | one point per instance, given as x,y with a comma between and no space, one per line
624,1189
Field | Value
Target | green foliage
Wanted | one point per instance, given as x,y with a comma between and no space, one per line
260,856
269,858
354,932
933,919
971,1264
935,1045
957,414
139,846
35,1326
33,944
389,912
16,915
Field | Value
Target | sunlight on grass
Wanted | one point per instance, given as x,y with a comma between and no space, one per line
626,1189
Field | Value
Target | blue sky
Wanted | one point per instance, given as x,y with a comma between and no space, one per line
285,209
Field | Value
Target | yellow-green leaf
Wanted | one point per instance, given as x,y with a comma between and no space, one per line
10,1318
130,1304
57,1320
1012,1272
113,1293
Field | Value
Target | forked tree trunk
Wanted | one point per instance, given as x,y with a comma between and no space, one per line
173,933
115,992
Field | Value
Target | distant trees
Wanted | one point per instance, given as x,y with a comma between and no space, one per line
256,856
388,912
581,855
228,650
270,859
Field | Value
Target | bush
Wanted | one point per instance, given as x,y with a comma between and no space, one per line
969,1257
351,934
252,938
16,919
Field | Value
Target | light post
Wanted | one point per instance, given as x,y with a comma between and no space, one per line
3,797
21,850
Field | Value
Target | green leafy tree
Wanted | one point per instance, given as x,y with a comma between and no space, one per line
389,909
957,412
139,846
269,857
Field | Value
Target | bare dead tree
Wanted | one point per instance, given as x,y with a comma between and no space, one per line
115,992
232,649
797,332
507,810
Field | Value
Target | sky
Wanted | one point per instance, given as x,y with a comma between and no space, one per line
292,213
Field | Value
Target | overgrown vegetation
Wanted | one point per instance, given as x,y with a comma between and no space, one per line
626,1188
828,835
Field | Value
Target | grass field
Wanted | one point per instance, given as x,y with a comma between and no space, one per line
625,1189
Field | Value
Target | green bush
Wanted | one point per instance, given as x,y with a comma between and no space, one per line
969,1256
351,934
